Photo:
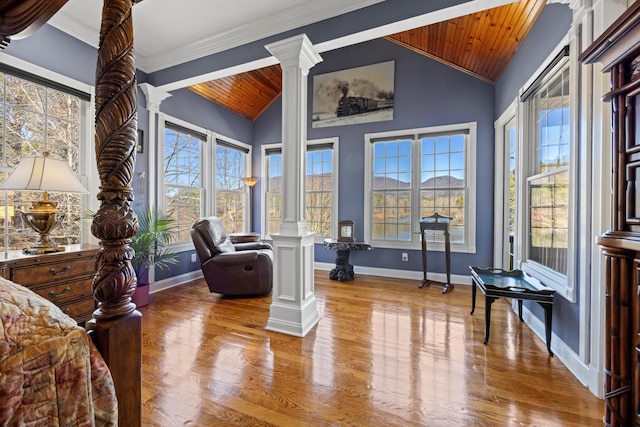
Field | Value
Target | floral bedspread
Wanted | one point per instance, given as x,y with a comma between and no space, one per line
51,374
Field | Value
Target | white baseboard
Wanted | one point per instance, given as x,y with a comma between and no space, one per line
583,372
399,274
175,281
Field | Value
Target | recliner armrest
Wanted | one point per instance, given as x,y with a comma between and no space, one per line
228,259
252,246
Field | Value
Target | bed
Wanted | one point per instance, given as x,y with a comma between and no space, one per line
116,325
50,371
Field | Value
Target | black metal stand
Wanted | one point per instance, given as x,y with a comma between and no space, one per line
436,222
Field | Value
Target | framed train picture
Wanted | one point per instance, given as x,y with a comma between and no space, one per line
356,95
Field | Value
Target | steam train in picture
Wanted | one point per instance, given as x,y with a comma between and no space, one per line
350,105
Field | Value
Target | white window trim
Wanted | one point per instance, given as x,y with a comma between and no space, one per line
499,218
87,169
470,192
334,208
565,285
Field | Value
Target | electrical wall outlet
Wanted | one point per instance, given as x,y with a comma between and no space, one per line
193,257
405,256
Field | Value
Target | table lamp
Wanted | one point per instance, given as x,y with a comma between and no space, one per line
43,174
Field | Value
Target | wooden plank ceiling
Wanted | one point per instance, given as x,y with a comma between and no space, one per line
481,44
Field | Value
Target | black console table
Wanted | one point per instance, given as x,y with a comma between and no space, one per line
496,283
436,222
343,271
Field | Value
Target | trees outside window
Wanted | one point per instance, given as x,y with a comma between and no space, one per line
231,193
203,177
182,178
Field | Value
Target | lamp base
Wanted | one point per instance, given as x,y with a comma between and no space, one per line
42,218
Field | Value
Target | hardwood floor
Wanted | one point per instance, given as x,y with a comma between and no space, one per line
384,353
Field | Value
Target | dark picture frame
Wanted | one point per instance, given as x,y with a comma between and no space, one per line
355,95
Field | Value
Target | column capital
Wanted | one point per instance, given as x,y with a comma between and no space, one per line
580,7
295,52
154,96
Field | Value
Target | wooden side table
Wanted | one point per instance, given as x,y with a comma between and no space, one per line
244,237
343,271
64,278
436,222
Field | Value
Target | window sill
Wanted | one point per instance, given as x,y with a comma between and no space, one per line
431,246
550,278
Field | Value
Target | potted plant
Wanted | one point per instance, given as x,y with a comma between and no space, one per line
155,232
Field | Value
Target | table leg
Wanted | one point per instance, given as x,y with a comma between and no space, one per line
548,311
424,260
473,295
447,253
343,271
520,310
487,316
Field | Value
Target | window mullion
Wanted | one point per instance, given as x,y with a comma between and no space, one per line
416,193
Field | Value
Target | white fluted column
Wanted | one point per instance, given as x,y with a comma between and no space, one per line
293,307
154,97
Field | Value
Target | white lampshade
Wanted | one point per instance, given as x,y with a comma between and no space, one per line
43,174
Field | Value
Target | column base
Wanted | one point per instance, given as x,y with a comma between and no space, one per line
293,308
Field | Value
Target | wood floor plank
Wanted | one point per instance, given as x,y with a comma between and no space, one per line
384,353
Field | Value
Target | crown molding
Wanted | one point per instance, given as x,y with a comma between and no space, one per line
267,26
252,31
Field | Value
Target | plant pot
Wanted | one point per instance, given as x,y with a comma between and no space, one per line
141,296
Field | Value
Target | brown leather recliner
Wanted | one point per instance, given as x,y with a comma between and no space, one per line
228,268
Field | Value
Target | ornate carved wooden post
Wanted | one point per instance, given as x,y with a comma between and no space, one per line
116,321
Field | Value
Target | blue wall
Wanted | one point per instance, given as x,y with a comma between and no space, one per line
427,93
59,52
552,25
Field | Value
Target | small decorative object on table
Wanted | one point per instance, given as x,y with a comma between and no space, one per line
346,231
343,271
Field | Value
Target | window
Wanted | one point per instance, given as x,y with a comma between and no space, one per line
548,177
416,173
320,185
201,178
183,177
231,194
41,115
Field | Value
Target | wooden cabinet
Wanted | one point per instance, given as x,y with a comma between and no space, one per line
618,50
63,278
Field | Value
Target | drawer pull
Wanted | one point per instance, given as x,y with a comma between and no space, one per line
56,272
55,295
67,310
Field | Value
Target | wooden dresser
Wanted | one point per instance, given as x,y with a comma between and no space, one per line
618,50
63,278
